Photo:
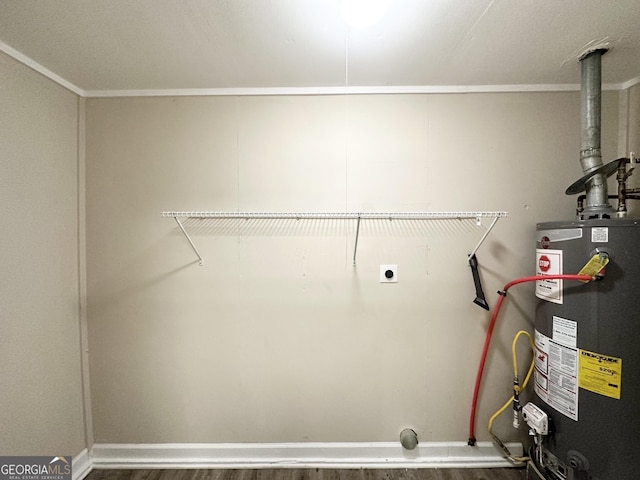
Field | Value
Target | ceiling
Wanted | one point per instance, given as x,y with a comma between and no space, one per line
102,47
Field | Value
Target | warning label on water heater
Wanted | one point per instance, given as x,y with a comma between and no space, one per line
601,374
556,375
549,262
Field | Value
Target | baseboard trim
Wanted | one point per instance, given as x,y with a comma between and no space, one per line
81,465
300,455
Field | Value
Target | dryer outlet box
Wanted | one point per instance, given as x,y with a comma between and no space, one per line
388,273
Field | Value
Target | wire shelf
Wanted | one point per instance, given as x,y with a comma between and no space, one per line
358,216
336,215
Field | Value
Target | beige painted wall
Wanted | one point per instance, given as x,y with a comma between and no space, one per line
633,119
278,338
634,137
628,141
41,395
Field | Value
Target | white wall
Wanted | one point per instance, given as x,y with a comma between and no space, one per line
278,338
40,358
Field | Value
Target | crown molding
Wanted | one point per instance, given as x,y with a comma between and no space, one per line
22,58
336,90
629,83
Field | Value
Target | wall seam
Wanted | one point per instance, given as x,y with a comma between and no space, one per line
82,275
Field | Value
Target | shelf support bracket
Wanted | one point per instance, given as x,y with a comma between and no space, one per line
486,234
355,246
189,239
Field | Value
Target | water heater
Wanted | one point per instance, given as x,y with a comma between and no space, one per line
585,416
587,366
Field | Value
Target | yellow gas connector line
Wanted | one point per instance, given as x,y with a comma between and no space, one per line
517,389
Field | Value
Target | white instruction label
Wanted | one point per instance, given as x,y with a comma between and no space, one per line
556,375
549,262
600,234
565,331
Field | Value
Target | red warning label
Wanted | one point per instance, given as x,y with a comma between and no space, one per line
549,262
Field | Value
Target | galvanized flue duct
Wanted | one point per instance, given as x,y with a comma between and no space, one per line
597,204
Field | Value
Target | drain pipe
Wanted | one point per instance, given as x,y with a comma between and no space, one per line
408,439
597,203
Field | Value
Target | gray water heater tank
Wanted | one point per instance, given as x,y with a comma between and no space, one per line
587,376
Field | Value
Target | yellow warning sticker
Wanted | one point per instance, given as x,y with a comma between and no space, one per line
594,265
600,374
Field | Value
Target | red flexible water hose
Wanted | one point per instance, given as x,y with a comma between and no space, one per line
487,341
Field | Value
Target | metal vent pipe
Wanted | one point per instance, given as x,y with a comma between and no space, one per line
597,204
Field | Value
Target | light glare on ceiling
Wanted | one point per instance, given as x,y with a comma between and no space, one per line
363,13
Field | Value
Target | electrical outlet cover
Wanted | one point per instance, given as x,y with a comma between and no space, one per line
388,273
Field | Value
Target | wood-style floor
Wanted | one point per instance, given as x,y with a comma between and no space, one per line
313,474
